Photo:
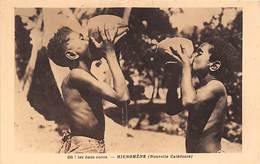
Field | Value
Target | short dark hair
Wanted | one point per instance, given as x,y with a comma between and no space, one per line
222,51
57,46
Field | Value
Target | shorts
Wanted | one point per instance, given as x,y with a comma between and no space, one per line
81,144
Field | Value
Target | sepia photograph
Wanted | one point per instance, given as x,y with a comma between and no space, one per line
128,80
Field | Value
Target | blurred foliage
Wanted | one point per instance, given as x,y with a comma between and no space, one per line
148,26
22,47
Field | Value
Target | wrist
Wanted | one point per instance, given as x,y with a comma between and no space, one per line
110,57
186,65
110,53
186,69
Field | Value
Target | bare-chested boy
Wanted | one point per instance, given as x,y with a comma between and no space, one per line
82,91
205,101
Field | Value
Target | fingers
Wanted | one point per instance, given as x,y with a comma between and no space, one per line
115,35
24,80
108,35
105,35
100,35
122,25
122,32
175,53
106,32
93,40
192,58
182,49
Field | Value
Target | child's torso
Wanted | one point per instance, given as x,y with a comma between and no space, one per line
205,125
85,110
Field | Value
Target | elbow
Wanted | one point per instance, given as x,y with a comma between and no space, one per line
124,97
187,102
122,100
124,94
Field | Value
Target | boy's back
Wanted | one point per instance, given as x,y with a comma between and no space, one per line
206,121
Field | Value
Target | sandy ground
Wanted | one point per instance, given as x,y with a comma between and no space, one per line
33,134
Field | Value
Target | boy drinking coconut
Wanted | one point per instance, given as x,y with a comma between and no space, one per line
82,91
206,101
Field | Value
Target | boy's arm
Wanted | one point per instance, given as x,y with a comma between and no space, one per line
119,93
191,96
85,81
120,86
187,90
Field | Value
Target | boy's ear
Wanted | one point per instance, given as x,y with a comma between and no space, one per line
214,66
71,55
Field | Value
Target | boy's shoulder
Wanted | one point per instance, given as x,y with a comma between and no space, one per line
75,78
74,75
216,86
78,74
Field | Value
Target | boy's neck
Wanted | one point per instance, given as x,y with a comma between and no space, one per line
85,65
207,78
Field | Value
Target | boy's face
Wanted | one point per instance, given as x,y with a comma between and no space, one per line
201,58
77,44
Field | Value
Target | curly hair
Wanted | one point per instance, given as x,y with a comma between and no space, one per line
222,51
57,46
